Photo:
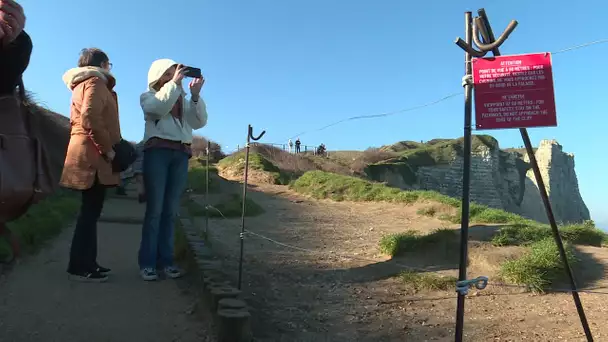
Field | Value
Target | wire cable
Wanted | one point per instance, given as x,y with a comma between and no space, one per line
432,103
406,267
381,115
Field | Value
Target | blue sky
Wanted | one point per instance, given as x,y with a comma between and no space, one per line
294,66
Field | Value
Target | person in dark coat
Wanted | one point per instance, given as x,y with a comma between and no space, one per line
298,143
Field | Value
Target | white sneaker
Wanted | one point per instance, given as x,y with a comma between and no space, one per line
173,272
148,274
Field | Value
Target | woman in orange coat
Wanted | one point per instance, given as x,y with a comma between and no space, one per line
95,130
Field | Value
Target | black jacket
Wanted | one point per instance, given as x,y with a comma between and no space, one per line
14,59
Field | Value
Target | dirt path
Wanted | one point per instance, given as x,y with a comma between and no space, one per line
300,295
39,303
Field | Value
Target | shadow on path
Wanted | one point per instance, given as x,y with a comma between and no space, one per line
39,303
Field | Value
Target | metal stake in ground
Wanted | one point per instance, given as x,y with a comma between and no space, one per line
486,31
242,235
463,284
466,177
207,204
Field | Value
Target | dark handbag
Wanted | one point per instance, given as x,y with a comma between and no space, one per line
124,156
25,173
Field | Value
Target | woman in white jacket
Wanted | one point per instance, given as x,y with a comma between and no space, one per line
170,119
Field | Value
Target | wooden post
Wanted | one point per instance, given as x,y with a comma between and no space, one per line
231,304
219,293
234,326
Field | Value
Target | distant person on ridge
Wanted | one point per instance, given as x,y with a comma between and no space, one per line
298,143
87,168
321,150
290,143
170,119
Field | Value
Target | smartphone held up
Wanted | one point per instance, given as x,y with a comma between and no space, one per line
192,72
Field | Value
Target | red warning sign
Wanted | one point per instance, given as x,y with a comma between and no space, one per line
514,91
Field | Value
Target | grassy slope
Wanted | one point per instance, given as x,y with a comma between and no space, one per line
230,206
320,185
42,222
197,174
257,162
537,268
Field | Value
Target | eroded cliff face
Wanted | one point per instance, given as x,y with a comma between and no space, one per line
561,183
499,179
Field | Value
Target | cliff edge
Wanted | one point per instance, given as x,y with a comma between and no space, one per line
500,179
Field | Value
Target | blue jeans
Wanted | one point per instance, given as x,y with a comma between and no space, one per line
165,174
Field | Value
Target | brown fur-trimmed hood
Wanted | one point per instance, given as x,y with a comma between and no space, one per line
74,76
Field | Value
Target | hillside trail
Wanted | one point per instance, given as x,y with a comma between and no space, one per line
339,287
39,303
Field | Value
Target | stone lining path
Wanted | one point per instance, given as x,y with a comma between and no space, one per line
39,303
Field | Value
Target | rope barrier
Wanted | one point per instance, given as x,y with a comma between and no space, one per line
406,267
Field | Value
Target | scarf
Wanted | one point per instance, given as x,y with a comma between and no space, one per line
176,111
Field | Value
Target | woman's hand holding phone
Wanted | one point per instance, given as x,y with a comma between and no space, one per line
195,87
179,74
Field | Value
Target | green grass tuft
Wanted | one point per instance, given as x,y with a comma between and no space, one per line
428,211
445,240
539,267
427,281
197,176
197,180
42,222
584,234
520,234
524,234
